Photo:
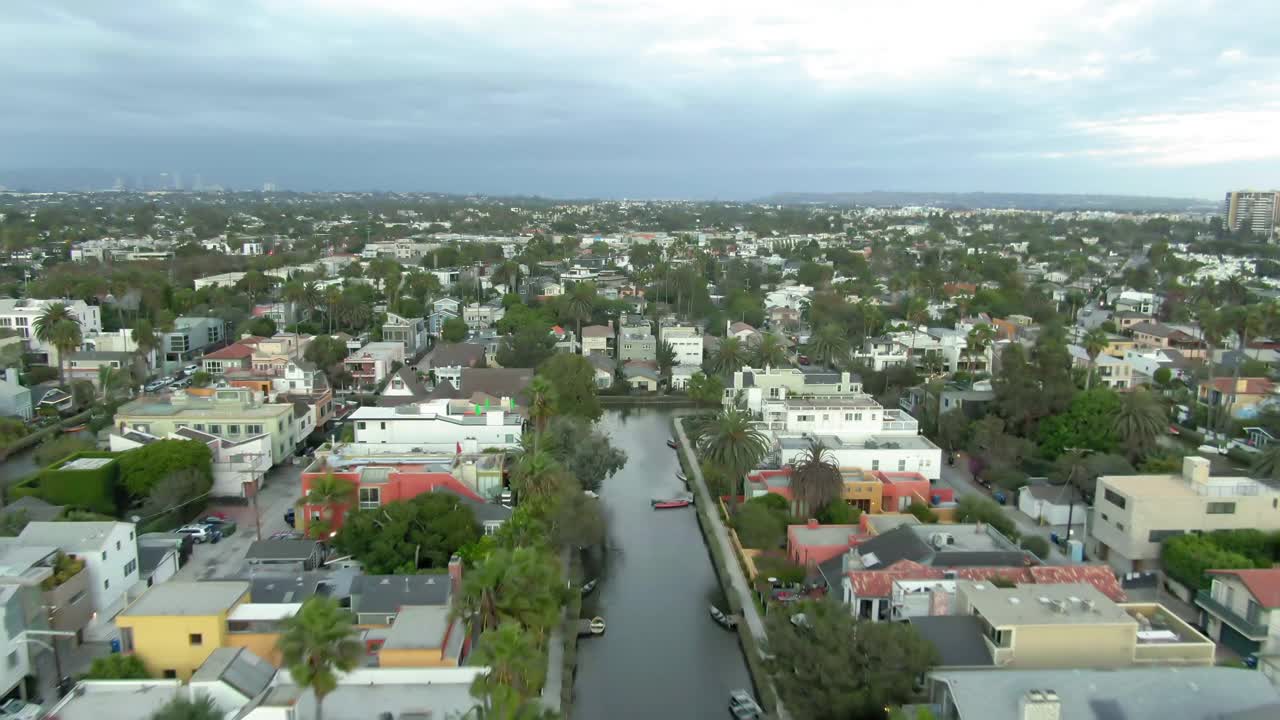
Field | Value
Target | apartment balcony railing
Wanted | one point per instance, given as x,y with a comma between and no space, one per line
1246,627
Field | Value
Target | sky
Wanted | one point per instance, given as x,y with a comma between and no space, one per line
705,99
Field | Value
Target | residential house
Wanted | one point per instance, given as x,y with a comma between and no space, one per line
15,400
46,395
1145,363
1126,320
1241,611
1108,370
682,374
882,352
637,345
743,332
761,385
641,375
442,310
1135,693
20,611
971,400
857,430
1133,514
1052,504
1158,336
371,364
281,312
441,425
175,626
603,367
109,551
421,636
1074,625
780,316
482,316
232,677
565,340
238,355
233,414
275,353
64,595
238,466
447,360
377,599
284,555
121,341
1132,301
496,382
227,280
597,340
403,387
191,337
20,316
409,331
685,341
84,364
1243,396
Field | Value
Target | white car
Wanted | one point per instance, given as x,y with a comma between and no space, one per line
193,367
16,709
199,533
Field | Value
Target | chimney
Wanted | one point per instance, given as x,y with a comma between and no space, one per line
455,575
1040,705
978,528
939,601
812,524
1195,470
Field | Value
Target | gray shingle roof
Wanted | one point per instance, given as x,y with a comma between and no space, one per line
901,543
281,550
958,639
387,593
455,355
239,668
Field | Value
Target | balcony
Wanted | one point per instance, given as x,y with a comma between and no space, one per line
899,422
1251,630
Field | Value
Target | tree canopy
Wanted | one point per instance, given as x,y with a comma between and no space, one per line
409,536
583,451
573,385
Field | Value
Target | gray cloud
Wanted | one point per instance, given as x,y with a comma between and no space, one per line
651,98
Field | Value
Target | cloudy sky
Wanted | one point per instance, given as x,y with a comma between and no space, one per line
651,98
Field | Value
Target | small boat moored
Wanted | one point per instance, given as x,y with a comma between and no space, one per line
589,585
681,477
727,622
671,443
75,429
669,503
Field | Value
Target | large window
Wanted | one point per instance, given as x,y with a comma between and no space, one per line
1114,498
1221,508
370,498
1156,536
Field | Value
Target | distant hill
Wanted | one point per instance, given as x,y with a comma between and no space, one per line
1019,201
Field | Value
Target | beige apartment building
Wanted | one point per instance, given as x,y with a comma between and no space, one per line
1073,625
233,414
1133,514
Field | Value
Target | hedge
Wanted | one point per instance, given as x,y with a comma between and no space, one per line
92,489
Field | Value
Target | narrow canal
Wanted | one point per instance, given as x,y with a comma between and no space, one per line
663,656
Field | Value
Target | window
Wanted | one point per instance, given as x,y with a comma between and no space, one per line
848,417
857,417
1114,498
76,598
117,544
215,429
360,425
130,567
491,527
13,659
902,465
1156,536
200,427
106,584
382,426
233,429
104,554
875,464
253,429
1221,508
170,674
196,639
370,497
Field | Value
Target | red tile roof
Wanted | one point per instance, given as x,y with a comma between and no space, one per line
1264,585
235,351
1099,576
1249,386
879,583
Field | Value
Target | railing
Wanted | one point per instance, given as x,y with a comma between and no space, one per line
1251,630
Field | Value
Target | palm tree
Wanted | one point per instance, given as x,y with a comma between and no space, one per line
1095,341
59,327
317,644
542,403
917,311
1139,422
537,475
201,707
513,659
828,345
1266,465
770,352
979,339
146,339
1213,326
815,479
729,356
1247,322
312,298
731,440
332,296
666,357
580,303
521,585
329,492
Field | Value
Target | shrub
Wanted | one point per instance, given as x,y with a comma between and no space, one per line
1186,558
65,567
143,468
92,489
774,564
839,512
772,501
118,666
922,513
12,431
759,527
972,509
1036,545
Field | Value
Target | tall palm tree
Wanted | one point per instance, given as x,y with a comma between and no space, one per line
731,440
513,658
730,356
312,298
829,345
1095,341
332,297
317,644
770,352
1139,422
58,326
917,312
537,475
328,492
1266,465
542,402
1247,322
1213,326
146,339
521,585
666,357
580,303
977,342
815,479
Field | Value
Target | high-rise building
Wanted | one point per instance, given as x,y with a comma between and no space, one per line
1257,210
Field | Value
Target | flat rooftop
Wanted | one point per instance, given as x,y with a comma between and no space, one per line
852,402
419,627
1176,486
117,699
188,598
964,537
1067,604
880,442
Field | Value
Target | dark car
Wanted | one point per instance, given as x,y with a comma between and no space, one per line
290,516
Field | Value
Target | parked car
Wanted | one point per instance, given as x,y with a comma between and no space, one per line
192,368
16,709
743,707
290,517
154,385
286,535
802,359
199,533
224,526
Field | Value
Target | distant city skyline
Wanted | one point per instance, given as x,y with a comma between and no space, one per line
651,99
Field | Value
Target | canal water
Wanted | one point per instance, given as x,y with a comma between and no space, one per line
662,655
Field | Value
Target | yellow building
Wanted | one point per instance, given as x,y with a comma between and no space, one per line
421,636
257,627
175,626
861,489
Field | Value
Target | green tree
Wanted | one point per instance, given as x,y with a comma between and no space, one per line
528,347
583,451
1088,424
666,357
829,345
146,339
117,666
975,508
573,380
542,403
760,527
512,655
200,379
537,475
1139,423
815,479
831,666
729,357
261,327
579,303
521,585
730,440
770,351
330,493
142,468
953,429
705,389
1186,558
199,707
318,644
1095,341
408,536
1036,545
454,330
326,351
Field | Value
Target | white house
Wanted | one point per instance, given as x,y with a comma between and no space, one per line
1049,505
15,400
685,340
110,554
440,425
20,316
859,432
371,363
220,280
682,374
791,296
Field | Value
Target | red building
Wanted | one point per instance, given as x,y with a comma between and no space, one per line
379,484
899,489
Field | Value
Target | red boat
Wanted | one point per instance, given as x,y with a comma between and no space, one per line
670,503
673,444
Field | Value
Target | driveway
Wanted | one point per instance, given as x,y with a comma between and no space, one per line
280,490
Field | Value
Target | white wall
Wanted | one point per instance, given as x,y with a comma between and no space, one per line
926,461
109,583
688,349
1054,513
433,433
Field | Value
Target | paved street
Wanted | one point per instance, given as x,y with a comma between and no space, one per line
280,490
